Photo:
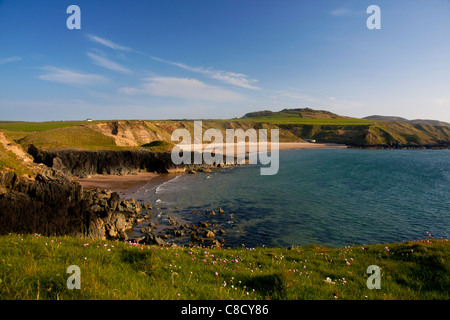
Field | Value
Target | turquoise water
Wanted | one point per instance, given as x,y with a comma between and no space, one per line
334,197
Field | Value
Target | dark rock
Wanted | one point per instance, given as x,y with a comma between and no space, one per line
85,162
209,234
153,239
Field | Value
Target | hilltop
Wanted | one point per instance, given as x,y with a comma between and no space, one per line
294,125
325,126
416,121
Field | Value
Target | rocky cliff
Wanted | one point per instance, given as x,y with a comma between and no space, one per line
82,163
52,204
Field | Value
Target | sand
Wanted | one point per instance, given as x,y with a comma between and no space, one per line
125,186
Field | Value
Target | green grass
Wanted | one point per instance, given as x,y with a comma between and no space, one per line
9,162
73,136
306,121
158,146
34,267
38,126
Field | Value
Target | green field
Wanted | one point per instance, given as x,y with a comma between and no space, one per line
34,267
306,121
38,126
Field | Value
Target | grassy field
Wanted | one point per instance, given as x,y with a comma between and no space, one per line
39,126
34,267
306,121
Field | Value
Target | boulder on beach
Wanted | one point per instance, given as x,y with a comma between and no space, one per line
209,234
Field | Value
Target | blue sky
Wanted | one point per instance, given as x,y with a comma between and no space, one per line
221,59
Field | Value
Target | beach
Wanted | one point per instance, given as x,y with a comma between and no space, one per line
126,185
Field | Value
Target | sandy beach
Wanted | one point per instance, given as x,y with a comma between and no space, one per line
126,185
252,147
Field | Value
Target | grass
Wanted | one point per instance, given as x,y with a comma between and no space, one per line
307,121
39,126
9,162
34,267
72,136
158,146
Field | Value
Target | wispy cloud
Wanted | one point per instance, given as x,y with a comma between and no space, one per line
236,79
108,43
70,77
106,63
344,12
442,102
320,102
185,88
9,59
228,77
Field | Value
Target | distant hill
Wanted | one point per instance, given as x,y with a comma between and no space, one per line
304,113
325,126
416,121
293,124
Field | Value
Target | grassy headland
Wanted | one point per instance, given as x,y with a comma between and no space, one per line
34,267
293,125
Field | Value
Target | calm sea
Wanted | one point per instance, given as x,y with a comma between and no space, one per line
334,197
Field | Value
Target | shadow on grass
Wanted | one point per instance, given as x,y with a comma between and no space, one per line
273,286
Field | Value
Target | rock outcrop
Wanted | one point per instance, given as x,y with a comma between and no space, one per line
82,163
52,204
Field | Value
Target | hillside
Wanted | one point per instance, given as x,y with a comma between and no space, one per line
324,126
416,121
293,124
116,135
35,268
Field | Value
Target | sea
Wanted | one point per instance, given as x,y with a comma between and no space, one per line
332,197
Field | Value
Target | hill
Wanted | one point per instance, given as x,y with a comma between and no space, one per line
416,121
293,125
324,126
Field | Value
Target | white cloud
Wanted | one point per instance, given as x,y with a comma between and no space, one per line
9,59
236,79
70,77
324,103
441,102
106,63
108,43
183,88
344,12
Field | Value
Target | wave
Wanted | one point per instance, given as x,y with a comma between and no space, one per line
164,186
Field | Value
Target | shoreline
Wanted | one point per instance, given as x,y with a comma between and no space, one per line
127,185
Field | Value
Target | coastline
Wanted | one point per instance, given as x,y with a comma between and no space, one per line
127,185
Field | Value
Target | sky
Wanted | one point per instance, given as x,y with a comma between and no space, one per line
211,59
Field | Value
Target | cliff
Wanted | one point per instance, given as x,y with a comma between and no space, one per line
82,163
37,199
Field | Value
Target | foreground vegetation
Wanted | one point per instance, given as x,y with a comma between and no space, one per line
34,267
